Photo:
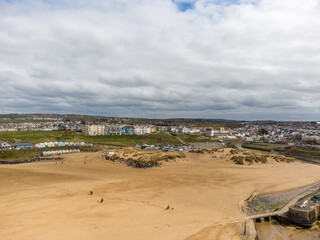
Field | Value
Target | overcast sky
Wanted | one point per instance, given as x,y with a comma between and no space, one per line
235,59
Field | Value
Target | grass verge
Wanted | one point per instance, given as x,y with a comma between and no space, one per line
123,140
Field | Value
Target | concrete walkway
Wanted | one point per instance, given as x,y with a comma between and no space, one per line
239,146
183,142
179,139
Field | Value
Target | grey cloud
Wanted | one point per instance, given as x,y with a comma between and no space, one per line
252,60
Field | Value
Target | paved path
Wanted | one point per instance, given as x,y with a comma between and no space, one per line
183,142
239,146
179,139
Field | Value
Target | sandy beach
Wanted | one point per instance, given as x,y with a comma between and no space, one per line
49,200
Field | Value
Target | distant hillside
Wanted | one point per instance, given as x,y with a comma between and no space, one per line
122,120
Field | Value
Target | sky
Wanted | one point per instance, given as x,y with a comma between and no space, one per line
232,59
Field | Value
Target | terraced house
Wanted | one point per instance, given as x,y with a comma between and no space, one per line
113,130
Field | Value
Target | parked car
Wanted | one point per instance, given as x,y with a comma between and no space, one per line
316,198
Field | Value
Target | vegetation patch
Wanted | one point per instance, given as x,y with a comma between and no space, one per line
299,151
143,159
55,136
238,160
234,151
283,159
135,163
264,147
255,158
261,208
188,138
19,154
206,150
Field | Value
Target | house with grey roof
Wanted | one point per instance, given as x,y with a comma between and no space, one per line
4,145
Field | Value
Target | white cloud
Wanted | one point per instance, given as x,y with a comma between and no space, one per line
253,59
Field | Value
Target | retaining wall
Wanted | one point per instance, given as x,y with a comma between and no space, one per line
304,217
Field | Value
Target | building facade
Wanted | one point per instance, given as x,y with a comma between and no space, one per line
93,130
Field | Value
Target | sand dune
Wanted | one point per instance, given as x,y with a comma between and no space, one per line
52,201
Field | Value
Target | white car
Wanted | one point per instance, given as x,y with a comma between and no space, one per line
304,204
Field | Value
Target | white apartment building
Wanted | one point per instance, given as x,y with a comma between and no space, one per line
210,132
137,130
93,130
146,130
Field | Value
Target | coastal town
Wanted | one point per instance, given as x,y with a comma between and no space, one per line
256,131
300,140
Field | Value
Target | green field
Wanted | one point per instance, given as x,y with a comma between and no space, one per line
19,154
187,138
122,140
264,147
303,152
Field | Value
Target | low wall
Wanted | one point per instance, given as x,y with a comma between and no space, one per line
250,230
31,160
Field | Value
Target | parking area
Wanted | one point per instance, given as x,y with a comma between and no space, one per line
310,201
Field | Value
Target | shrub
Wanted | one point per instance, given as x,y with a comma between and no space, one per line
234,151
238,160
263,159
249,159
